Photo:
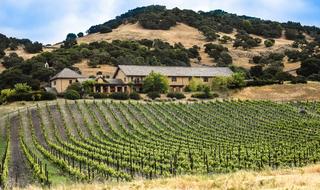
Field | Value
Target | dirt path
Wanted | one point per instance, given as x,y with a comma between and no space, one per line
37,128
58,122
78,119
19,171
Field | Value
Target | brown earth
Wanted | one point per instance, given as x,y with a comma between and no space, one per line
19,170
88,71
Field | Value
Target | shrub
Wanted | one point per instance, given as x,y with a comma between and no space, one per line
71,95
299,80
154,95
119,96
203,95
269,42
134,96
100,95
48,96
176,95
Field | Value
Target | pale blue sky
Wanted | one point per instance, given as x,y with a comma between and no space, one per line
49,21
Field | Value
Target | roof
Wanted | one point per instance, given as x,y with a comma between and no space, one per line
111,81
67,73
139,70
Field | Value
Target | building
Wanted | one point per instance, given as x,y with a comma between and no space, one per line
130,77
62,80
179,77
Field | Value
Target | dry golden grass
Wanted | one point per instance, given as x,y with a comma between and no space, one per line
88,71
2,68
307,178
285,92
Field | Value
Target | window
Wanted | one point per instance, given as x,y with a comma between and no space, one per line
174,79
190,78
70,81
125,79
54,83
205,79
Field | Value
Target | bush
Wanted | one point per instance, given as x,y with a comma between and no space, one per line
100,95
31,96
260,82
71,95
203,95
48,96
299,80
154,95
134,96
119,96
176,95
269,42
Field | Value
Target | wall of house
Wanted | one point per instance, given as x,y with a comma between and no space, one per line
61,85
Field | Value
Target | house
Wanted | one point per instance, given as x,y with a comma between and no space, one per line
130,77
63,79
179,77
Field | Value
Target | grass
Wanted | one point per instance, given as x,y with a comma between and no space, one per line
285,92
299,178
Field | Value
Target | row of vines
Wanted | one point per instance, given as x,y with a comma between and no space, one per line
98,140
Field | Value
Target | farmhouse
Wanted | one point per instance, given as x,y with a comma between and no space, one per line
62,80
130,77
179,77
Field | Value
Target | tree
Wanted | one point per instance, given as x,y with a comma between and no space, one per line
237,80
269,42
225,59
12,60
70,41
220,83
256,71
72,95
309,66
105,29
194,84
155,82
22,88
80,34
35,47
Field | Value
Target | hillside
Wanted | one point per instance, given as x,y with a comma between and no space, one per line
88,141
189,36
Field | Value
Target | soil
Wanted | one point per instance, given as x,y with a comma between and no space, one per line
37,128
78,119
58,122
19,171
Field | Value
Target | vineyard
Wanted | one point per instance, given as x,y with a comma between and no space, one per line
88,141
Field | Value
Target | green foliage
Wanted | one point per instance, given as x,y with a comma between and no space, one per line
71,95
80,34
134,96
153,95
35,47
219,53
12,60
105,29
176,95
70,41
309,66
76,87
237,80
269,42
155,82
220,83
119,96
194,84
100,95
22,88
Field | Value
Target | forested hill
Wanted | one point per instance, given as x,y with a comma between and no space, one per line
158,17
266,51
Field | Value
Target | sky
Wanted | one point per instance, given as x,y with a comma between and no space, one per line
49,21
